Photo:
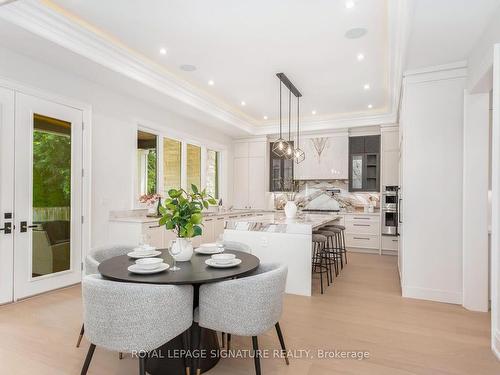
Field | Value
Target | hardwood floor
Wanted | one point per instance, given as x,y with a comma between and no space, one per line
363,311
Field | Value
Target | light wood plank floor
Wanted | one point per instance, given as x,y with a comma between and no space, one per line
362,312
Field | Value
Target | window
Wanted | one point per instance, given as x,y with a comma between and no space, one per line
147,163
213,173
172,161
193,166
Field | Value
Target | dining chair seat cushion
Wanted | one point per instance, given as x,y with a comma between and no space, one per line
318,238
100,254
127,317
247,306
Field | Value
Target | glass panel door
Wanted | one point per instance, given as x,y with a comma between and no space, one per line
48,183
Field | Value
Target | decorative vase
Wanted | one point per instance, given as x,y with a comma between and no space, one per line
290,209
152,210
183,249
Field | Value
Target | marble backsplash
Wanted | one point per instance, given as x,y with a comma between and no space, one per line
315,195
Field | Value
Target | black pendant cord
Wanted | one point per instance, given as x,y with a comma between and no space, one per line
298,116
289,115
280,111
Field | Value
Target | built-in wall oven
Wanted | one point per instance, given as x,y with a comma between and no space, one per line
390,211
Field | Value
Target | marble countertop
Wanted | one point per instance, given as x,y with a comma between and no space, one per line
278,223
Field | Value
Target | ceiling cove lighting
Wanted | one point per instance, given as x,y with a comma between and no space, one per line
360,57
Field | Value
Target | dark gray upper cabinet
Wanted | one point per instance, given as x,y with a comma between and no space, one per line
364,163
280,172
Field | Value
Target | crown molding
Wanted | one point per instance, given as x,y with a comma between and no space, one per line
45,21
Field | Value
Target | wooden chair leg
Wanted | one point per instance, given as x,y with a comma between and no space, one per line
256,355
142,365
82,331
86,364
282,342
186,343
197,336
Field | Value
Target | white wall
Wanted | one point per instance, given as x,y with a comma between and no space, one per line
432,130
475,201
114,124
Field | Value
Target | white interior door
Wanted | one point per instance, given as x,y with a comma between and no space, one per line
6,194
48,195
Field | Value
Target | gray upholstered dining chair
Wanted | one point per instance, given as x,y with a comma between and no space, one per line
248,306
92,261
133,318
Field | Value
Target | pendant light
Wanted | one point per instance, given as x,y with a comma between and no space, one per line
299,154
280,146
289,154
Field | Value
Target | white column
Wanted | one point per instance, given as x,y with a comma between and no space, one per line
475,201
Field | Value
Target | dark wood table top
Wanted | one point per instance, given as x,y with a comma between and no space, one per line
193,272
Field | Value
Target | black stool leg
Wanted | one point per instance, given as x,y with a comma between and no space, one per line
142,365
282,342
86,364
82,331
343,247
256,355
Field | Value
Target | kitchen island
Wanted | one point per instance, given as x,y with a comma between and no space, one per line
274,238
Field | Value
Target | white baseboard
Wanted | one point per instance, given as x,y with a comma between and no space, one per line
362,250
432,295
496,345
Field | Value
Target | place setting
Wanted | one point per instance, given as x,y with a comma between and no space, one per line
148,266
210,248
223,260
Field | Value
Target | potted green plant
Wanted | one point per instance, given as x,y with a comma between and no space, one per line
181,213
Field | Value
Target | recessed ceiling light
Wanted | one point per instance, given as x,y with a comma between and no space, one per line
366,86
370,106
313,111
360,57
163,51
211,83
355,33
188,67
243,103
265,117
349,4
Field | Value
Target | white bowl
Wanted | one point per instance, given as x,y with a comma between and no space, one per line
223,258
149,263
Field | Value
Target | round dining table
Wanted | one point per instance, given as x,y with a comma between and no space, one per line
165,360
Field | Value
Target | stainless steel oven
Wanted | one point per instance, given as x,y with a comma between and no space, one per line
390,211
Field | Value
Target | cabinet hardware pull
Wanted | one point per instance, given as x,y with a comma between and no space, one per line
154,226
361,218
233,217
220,218
361,225
361,238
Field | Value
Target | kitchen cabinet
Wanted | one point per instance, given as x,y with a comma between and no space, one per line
331,165
362,232
250,179
280,171
364,163
390,156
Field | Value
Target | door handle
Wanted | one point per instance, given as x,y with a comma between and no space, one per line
399,210
7,229
25,226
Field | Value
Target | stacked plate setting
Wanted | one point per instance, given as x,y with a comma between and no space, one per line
146,263
223,261
210,248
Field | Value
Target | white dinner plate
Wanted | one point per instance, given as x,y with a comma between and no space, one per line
209,250
214,264
139,255
134,268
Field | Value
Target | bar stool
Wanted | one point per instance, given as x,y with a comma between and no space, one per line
343,248
331,254
319,244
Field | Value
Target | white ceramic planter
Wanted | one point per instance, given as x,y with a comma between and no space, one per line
186,249
290,209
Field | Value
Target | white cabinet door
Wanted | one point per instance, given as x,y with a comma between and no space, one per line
390,157
257,182
155,234
339,154
240,175
219,226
